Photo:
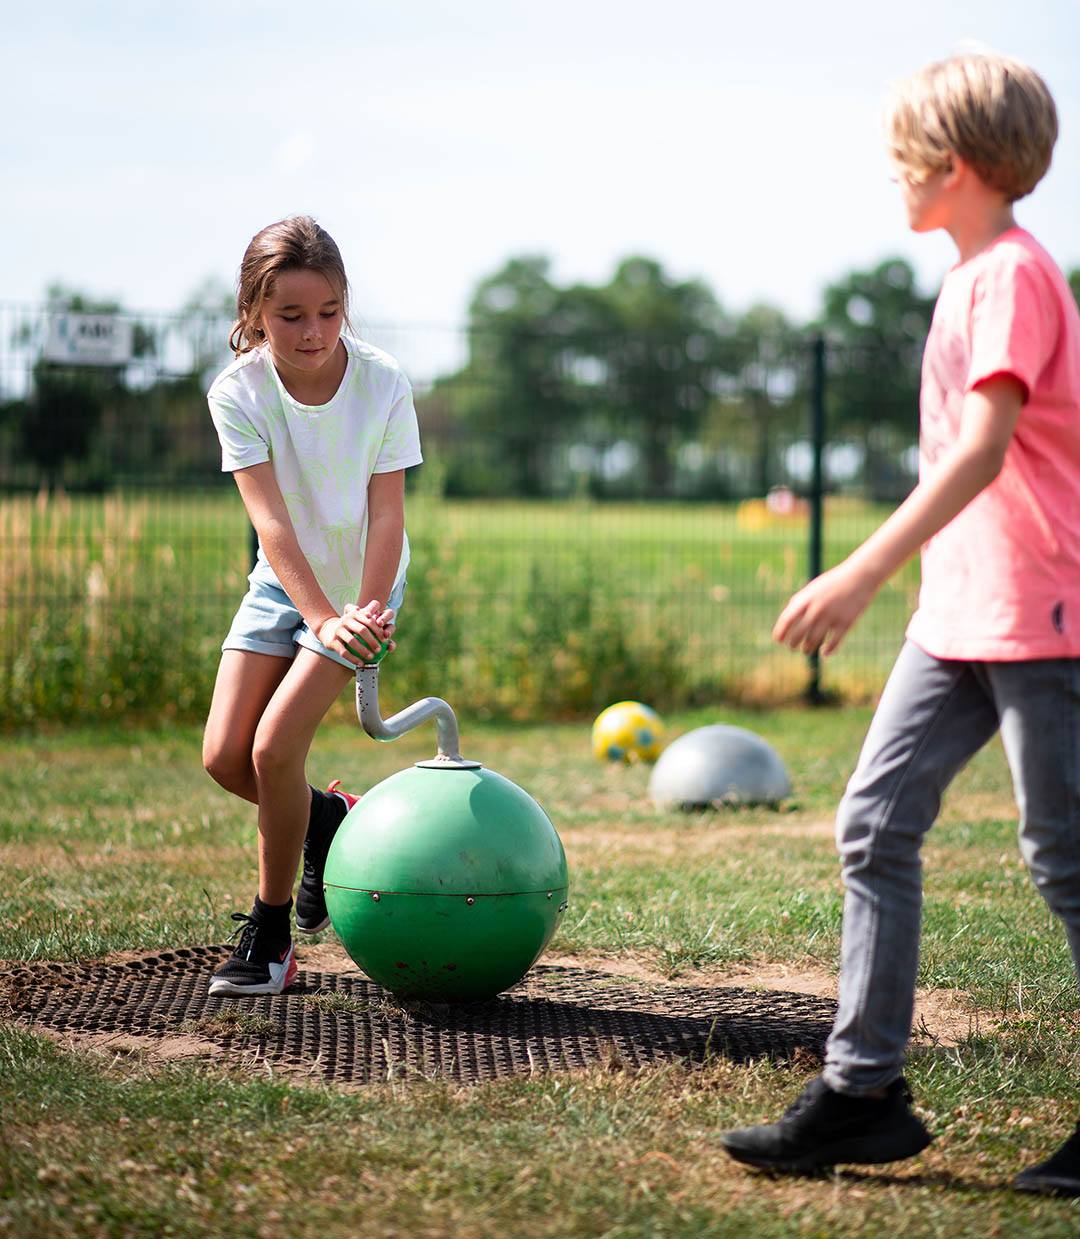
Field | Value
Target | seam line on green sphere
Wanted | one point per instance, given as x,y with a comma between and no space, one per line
382,890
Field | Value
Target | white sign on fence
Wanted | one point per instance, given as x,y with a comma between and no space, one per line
89,339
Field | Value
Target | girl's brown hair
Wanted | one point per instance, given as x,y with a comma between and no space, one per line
293,244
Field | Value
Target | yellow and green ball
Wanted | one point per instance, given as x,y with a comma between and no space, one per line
627,731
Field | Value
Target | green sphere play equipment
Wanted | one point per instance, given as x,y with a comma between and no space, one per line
445,882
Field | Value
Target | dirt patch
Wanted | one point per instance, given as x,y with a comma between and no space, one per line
947,1017
181,1048
324,957
943,1017
121,957
90,854
698,838
817,829
608,802
978,806
636,967
132,1050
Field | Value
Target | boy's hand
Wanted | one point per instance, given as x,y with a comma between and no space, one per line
820,614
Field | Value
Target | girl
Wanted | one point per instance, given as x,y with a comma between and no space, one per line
317,428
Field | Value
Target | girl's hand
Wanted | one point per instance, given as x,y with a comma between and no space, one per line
377,619
820,614
356,634
383,616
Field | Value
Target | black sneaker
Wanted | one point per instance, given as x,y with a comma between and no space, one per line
262,963
823,1128
326,817
1058,1175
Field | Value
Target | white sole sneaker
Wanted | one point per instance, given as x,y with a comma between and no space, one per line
281,976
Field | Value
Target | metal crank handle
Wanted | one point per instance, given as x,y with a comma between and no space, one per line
378,728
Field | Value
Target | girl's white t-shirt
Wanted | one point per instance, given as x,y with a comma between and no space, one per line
323,455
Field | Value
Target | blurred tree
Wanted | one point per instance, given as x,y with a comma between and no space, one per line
771,351
512,389
60,296
661,347
640,361
876,324
1074,283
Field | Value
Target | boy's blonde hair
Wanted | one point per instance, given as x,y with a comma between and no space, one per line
994,112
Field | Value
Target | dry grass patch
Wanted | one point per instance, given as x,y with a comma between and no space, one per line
174,859
704,837
975,806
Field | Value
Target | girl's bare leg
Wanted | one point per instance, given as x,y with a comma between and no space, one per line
245,683
279,752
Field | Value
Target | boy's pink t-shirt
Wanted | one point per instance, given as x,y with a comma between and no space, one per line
1001,581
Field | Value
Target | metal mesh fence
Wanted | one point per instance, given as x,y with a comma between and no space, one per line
577,535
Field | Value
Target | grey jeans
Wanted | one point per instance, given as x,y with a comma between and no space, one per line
933,717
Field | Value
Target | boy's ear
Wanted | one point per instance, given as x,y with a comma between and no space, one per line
956,171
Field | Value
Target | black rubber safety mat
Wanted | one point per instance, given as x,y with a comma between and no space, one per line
345,1029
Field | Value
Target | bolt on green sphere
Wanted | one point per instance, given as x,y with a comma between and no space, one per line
446,884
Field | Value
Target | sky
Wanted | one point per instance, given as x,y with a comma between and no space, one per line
145,143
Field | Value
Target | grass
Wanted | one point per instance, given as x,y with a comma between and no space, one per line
599,1153
114,839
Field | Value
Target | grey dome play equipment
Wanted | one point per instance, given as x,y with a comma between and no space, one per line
718,765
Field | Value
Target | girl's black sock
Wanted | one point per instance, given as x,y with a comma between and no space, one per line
272,915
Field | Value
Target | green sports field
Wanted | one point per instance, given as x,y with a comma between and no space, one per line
115,607
115,840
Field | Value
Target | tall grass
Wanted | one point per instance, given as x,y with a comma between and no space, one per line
116,606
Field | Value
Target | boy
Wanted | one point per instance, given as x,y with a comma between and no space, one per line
995,642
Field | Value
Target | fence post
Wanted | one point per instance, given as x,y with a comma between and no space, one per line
814,694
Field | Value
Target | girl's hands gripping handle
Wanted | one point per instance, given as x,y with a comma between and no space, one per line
360,634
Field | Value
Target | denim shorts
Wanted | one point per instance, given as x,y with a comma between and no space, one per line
268,623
